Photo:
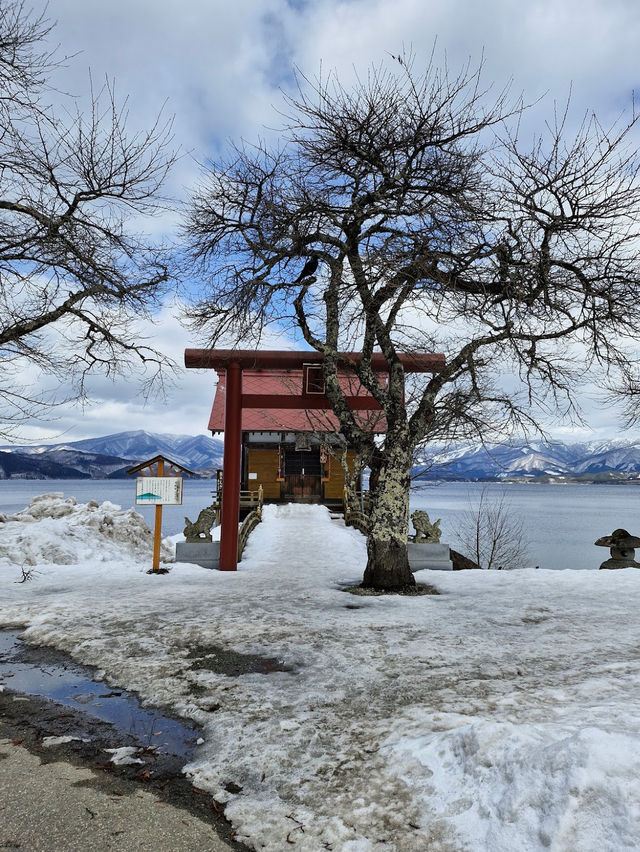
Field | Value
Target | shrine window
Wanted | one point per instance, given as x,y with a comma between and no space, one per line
313,379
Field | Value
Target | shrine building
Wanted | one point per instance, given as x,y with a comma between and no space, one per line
279,430
293,453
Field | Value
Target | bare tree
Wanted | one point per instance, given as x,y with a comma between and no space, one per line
435,230
74,274
491,533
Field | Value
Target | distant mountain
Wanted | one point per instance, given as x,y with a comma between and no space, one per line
109,456
20,466
530,461
537,461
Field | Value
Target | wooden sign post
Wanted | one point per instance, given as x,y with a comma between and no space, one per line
159,485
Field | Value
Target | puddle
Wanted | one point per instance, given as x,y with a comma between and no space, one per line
35,670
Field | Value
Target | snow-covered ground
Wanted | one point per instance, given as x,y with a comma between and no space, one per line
502,715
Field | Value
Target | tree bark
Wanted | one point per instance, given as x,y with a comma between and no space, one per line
387,560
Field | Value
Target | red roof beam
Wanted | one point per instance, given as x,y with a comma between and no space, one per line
413,362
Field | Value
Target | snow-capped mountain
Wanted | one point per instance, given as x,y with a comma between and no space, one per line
529,460
109,456
112,455
192,451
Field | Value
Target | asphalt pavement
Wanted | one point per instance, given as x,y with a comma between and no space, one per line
60,807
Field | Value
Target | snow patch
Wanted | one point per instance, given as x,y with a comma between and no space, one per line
123,756
48,742
504,786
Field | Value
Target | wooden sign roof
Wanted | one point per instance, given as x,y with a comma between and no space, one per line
172,468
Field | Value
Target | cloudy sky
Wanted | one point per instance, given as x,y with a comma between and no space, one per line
219,68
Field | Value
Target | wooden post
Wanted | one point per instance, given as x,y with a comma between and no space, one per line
231,463
157,530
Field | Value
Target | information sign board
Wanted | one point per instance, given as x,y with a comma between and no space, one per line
159,491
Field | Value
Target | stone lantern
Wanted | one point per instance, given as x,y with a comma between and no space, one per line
622,546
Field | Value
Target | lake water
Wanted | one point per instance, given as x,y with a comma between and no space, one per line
561,521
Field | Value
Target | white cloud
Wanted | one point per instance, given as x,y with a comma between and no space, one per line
219,67
118,405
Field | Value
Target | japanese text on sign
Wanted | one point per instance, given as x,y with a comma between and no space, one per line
159,491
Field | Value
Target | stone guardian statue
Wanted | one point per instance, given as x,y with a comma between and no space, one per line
425,530
200,530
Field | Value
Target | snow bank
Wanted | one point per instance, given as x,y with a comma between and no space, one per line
58,530
503,714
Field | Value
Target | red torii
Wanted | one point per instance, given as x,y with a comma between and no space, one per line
233,361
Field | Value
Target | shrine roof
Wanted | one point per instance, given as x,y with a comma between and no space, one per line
288,383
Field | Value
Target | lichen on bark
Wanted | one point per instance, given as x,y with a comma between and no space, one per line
387,558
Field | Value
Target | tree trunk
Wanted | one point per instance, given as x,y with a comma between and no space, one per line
387,563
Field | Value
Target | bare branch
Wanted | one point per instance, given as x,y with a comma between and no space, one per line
491,533
434,229
69,256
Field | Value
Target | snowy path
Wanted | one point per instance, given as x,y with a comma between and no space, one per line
502,715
